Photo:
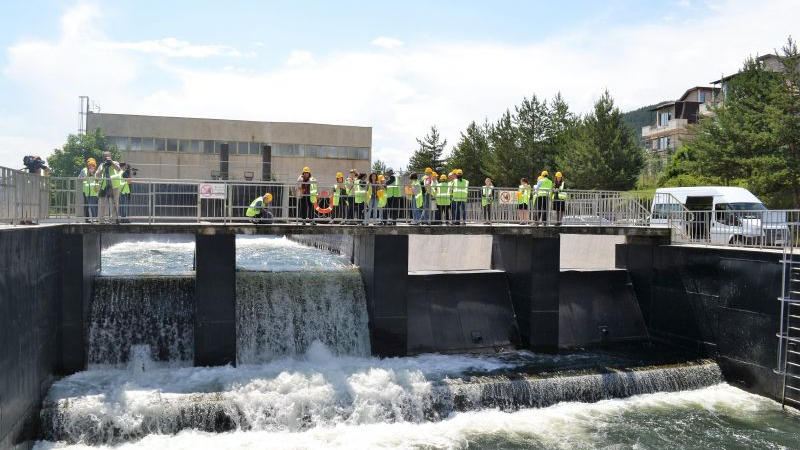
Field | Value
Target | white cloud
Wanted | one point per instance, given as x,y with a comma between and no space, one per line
399,93
387,42
684,3
173,48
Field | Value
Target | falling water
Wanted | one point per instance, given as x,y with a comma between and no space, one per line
152,311
282,313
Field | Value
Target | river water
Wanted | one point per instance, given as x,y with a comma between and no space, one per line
310,384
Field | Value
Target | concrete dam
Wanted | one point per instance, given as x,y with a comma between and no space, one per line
189,336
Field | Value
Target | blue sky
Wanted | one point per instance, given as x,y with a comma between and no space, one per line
396,66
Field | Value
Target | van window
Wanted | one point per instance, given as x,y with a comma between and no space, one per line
666,211
731,213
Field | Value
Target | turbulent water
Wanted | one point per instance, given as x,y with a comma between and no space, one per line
282,313
270,253
716,417
320,390
153,311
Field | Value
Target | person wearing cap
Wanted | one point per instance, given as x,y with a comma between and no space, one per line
443,199
544,188
359,196
460,193
559,197
306,196
109,175
90,189
340,198
258,211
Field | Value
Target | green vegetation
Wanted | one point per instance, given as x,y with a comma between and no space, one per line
596,151
639,118
71,158
753,137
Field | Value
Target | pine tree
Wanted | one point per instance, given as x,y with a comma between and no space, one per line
506,161
471,152
603,153
429,153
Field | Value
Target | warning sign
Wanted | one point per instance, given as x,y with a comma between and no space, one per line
211,190
507,197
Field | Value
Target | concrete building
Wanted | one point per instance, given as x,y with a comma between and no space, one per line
673,118
202,149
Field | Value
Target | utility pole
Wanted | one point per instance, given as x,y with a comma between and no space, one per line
83,114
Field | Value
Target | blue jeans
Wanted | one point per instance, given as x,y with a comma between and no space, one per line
416,213
123,204
373,211
90,206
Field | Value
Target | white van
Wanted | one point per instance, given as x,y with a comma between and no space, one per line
718,215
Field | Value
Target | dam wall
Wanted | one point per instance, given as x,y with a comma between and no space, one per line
718,301
30,275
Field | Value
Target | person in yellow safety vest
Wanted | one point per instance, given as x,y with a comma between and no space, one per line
109,175
523,199
460,193
443,193
359,196
307,196
373,200
350,183
258,211
340,198
559,197
382,198
394,194
544,188
487,198
416,195
90,189
124,192
427,195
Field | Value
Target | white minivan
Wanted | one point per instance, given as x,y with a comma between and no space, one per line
718,215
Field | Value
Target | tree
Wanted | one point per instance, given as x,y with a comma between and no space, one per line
532,120
603,153
71,158
505,162
379,166
429,153
471,152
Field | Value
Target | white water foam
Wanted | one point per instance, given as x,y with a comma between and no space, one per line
150,257
719,416
275,254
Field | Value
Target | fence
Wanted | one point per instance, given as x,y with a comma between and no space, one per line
26,197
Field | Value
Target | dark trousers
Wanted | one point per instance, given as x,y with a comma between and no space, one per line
123,204
89,206
444,213
459,212
304,208
541,208
263,216
487,212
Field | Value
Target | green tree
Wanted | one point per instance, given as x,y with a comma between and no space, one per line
603,153
532,121
378,166
429,153
71,158
471,152
506,161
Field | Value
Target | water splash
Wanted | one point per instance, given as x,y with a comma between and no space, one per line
282,254
282,313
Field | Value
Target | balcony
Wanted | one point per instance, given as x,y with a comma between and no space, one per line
664,130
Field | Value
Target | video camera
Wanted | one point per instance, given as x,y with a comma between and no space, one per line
34,163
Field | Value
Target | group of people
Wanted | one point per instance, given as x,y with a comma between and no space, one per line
534,201
429,198
106,190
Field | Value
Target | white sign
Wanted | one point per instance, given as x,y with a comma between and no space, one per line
211,190
507,197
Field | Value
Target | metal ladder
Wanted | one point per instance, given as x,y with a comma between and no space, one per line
789,335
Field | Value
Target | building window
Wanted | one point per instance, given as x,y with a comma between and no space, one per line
148,145
136,144
255,148
172,145
208,147
161,144
701,96
664,120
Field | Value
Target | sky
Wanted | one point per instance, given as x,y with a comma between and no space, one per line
396,66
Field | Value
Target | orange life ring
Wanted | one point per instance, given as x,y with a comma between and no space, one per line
329,208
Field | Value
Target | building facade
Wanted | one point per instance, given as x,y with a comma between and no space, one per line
202,149
672,119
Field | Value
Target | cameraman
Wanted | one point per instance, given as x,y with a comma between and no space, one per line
35,165
110,175
128,172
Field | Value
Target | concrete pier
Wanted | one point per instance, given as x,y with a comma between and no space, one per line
215,300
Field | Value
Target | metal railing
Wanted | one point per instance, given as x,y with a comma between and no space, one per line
227,201
788,364
23,196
